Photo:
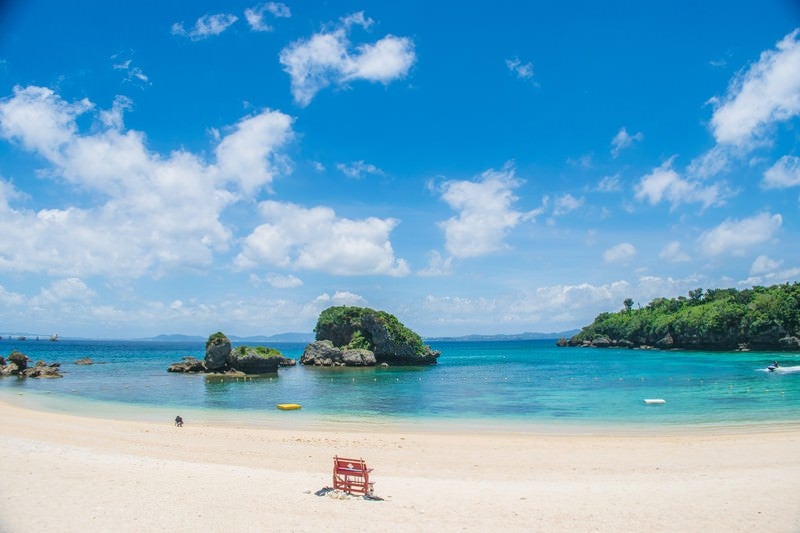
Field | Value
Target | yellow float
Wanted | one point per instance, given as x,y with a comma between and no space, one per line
288,406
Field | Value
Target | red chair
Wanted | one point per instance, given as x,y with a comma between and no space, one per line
351,476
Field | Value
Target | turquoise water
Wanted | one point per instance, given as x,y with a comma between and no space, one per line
480,383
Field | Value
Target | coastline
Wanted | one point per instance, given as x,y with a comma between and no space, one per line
131,475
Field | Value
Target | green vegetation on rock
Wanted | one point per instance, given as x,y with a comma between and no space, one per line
261,351
349,326
216,338
756,318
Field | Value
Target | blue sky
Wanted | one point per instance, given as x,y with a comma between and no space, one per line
188,167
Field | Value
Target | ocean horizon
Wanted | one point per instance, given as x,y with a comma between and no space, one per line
506,385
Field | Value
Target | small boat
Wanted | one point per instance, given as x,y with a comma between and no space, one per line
654,401
288,406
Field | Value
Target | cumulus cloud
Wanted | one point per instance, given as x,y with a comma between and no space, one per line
325,300
329,58
277,281
316,238
568,304
255,15
485,212
624,140
764,265
766,93
63,290
783,174
665,184
672,252
621,253
519,69
737,236
148,218
357,169
248,155
206,26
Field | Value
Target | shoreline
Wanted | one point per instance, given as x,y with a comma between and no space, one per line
94,474
305,420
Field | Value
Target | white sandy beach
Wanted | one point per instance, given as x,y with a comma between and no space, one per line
68,473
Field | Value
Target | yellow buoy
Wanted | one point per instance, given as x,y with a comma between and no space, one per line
288,406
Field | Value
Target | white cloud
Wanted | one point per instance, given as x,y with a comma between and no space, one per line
156,211
280,281
249,156
255,15
40,120
621,253
485,213
565,204
317,239
672,252
328,57
63,290
206,26
711,163
437,265
737,236
624,140
665,184
357,169
764,265
132,72
10,299
325,300
8,193
521,70
784,173
766,93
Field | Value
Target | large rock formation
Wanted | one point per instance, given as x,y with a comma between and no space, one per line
359,336
17,365
324,353
222,358
218,350
258,360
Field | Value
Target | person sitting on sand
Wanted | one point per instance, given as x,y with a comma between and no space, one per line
179,421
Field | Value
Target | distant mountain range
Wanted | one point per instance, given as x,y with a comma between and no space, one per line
280,337
301,337
527,336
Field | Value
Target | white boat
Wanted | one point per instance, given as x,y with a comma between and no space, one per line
654,401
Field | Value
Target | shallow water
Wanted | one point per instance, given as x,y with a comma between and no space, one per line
483,384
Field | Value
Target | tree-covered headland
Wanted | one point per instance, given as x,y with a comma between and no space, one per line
759,318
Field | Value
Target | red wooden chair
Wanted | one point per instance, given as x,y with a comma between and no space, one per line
351,476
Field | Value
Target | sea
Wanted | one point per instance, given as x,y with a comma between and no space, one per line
492,386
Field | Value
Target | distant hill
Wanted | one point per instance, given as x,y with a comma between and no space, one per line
760,318
280,337
527,336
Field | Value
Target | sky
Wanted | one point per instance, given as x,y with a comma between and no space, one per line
471,168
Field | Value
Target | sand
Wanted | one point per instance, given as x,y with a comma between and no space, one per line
69,473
